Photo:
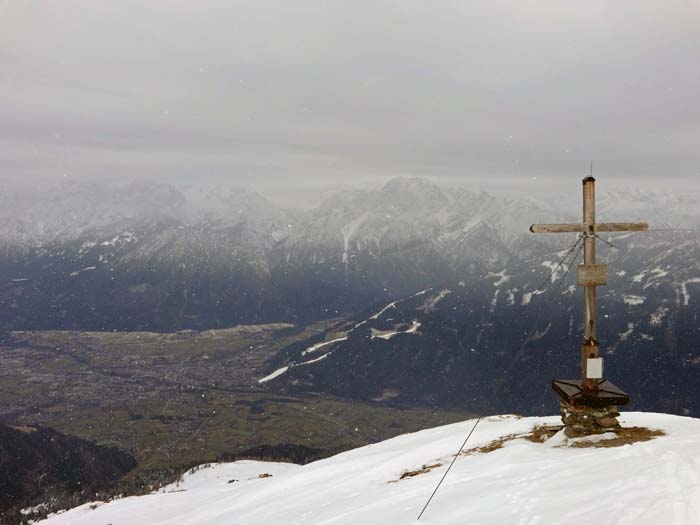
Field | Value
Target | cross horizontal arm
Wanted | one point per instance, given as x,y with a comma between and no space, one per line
621,226
599,227
556,228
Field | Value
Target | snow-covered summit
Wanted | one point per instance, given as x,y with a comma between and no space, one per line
522,481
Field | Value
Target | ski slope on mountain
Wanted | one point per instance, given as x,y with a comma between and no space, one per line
524,482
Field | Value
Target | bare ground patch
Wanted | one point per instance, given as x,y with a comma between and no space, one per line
493,445
541,433
412,473
624,436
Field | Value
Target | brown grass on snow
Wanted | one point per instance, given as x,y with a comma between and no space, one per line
541,433
411,473
625,436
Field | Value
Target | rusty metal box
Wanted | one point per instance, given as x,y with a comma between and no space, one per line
592,274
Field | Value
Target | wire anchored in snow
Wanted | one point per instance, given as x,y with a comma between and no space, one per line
514,360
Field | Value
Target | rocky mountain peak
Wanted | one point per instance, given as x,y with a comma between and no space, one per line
411,192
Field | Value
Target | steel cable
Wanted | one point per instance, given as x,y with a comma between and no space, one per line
512,363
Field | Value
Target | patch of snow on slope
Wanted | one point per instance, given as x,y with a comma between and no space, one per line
315,360
659,272
285,369
684,289
125,237
622,337
315,347
430,304
383,334
570,290
388,334
658,316
646,483
654,276
634,300
380,312
638,278
539,334
86,269
527,296
274,374
502,277
348,231
555,268
494,301
413,328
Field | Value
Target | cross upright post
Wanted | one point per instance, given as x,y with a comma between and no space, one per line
590,348
591,391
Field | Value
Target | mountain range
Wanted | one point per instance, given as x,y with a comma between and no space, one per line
436,290
126,256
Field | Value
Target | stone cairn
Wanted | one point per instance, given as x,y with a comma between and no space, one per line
580,421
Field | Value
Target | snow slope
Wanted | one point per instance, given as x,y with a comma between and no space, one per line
654,482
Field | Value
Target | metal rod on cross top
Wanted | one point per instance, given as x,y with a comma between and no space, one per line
591,398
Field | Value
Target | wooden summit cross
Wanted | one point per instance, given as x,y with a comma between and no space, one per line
591,390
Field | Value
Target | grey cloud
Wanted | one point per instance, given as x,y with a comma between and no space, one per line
270,91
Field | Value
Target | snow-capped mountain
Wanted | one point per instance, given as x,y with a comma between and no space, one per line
75,210
110,256
152,256
509,473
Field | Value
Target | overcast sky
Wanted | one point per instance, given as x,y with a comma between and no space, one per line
293,93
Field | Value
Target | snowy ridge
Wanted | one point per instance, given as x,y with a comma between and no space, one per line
404,212
388,334
653,482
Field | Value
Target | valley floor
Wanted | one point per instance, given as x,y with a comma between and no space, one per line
184,398
502,478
